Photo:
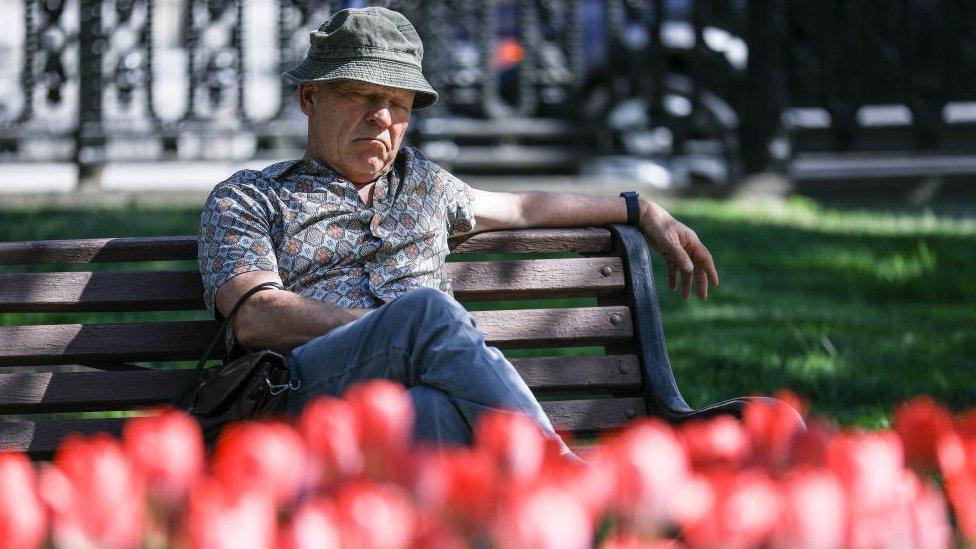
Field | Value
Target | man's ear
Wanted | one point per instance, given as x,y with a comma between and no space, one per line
306,98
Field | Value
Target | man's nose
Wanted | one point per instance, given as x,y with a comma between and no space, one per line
379,114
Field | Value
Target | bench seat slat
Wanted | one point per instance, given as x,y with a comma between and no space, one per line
41,438
86,343
93,391
183,290
165,248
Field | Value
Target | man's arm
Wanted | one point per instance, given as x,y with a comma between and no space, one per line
275,319
681,248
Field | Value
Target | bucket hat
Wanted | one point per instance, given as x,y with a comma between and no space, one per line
374,45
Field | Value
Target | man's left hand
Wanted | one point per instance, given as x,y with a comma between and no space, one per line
681,249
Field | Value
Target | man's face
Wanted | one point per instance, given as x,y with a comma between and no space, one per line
355,127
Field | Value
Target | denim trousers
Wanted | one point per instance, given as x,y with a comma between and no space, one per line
429,343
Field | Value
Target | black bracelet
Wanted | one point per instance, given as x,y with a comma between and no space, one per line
633,207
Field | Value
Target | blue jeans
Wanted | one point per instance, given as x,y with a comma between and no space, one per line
428,342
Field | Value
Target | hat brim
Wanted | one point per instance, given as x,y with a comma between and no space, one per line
375,71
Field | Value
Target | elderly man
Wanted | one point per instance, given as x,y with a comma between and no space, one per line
357,231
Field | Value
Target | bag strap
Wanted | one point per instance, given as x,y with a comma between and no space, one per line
221,335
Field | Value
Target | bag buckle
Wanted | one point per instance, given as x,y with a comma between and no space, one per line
278,389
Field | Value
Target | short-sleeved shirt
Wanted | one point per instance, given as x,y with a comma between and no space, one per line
299,218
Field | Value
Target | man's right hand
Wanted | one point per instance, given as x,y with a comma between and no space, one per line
278,319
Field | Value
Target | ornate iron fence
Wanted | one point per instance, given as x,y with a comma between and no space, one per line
527,84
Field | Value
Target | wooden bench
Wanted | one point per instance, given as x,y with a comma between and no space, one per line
582,394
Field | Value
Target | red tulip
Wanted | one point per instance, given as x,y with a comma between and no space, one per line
94,493
265,456
773,428
167,451
929,516
385,415
514,441
717,443
331,432
810,446
591,483
459,484
312,526
920,423
897,523
966,424
649,465
694,501
957,460
545,517
224,517
812,512
375,516
870,466
882,495
745,510
961,490
23,520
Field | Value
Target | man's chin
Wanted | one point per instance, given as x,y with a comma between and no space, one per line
368,173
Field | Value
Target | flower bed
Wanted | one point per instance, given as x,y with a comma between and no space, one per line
345,474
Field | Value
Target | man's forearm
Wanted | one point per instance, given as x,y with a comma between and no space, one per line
280,320
570,210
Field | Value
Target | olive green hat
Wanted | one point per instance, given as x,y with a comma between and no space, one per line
374,45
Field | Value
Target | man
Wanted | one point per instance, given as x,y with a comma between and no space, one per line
357,232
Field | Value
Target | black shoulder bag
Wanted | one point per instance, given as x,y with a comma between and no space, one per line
246,386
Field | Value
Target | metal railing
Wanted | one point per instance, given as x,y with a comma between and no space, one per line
751,84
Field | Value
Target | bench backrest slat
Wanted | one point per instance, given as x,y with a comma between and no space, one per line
183,290
138,341
164,248
94,391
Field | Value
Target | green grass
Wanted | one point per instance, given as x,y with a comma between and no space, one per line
855,311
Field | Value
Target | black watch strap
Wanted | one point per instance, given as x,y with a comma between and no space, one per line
633,207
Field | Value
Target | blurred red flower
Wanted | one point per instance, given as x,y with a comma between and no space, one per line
920,423
312,526
744,511
95,495
650,467
375,516
331,432
224,517
870,467
812,510
957,461
263,456
717,443
23,519
385,415
167,451
461,485
542,517
773,426
514,441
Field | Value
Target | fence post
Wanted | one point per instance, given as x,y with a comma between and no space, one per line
764,86
89,137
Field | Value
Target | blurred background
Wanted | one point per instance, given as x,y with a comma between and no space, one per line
823,149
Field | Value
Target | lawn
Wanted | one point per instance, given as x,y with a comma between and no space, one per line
854,310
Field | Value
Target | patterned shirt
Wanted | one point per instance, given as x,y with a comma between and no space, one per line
303,220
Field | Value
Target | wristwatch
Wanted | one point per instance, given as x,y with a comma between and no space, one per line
633,207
